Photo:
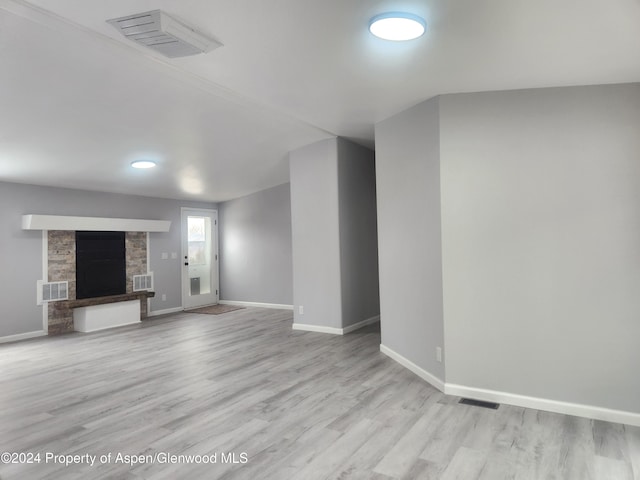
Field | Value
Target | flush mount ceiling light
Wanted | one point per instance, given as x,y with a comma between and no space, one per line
143,164
397,26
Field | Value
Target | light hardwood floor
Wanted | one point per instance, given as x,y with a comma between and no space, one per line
301,405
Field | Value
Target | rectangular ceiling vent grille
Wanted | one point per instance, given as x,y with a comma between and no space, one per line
164,34
143,282
52,291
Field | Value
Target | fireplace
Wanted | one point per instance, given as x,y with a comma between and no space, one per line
100,264
61,266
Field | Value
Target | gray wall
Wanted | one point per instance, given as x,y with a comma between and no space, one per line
316,236
20,264
358,232
333,215
409,235
255,247
541,242
21,251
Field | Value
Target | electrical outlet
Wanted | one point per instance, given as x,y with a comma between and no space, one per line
164,297
164,255
439,354
301,310
174,255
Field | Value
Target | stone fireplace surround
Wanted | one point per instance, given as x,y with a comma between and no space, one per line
61,260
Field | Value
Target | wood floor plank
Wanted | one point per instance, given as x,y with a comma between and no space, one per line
466,464
344,447
632,436
605,467
300,405
373,450
423,470
406,451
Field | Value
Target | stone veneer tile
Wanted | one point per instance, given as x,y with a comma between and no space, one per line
61,267
136,256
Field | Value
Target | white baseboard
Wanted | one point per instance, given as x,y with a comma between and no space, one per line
22,336
335,330
566,408
363,323
409,365
317,328
256,304
166,311
555,406
224,302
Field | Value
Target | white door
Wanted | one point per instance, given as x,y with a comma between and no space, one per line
199,257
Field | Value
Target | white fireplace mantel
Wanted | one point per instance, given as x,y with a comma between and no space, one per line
95,224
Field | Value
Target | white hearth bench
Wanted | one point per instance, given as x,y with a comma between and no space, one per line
100,313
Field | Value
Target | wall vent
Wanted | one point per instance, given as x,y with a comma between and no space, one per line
52,291
143,282
164,34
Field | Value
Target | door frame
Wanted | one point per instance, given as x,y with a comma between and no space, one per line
184,280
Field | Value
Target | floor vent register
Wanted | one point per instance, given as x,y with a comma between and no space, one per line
479,403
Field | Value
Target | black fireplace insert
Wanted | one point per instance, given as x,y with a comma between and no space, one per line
100,264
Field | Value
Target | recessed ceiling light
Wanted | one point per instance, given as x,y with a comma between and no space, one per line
397,26
143,164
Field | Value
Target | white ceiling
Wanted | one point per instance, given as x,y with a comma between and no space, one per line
78,102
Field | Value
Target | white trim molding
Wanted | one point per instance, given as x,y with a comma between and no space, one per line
335,330
409,365
317,328
148,268
256,304
363,323
45,277
95,224
555,406
166,311
23,336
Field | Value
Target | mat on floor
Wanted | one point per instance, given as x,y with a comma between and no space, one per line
216,309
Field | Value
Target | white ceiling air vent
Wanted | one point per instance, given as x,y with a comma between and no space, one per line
165,34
